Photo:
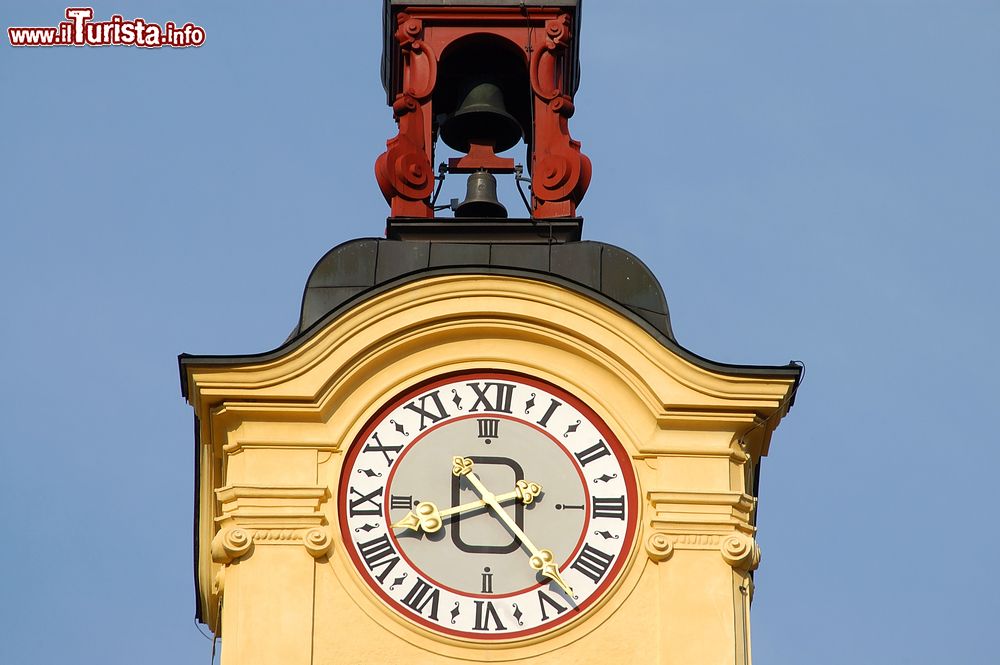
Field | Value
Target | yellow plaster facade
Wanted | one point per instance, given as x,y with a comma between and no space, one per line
277,584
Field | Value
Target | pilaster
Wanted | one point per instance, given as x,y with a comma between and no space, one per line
266,549
700,535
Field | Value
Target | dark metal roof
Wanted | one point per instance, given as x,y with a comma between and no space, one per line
493,229
358,266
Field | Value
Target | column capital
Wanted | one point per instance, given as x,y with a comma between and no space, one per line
273,515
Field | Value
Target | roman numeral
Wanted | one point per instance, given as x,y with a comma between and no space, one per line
487,581
596,451
489,428
398,502
378,553
501,398
379,448
610,507
424,411
486,613
592,562
555,404
420,596
545,599
375,509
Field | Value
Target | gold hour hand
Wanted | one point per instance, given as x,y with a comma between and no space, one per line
541,560
427,518
424,516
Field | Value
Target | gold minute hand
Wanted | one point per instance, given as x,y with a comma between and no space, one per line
541,560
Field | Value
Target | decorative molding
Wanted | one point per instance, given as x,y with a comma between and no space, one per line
727,442
272,515
737,549
739,500
740,551
659,548
231,544
717,513
650,455
677,417
697,540
706,521
271,508
661,545
318,542
277,536
238,446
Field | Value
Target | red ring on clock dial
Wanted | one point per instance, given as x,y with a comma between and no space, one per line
608,578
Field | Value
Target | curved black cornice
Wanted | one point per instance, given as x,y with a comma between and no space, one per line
356,266
353,272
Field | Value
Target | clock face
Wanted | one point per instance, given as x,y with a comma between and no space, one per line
488,505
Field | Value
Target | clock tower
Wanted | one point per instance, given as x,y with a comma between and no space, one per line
482,442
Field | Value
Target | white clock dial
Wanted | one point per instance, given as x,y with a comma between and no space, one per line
488,505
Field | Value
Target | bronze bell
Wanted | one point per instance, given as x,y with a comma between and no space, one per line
481,197
482,117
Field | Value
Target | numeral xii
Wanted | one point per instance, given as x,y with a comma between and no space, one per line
493,397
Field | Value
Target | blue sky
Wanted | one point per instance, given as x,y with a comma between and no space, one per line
813,179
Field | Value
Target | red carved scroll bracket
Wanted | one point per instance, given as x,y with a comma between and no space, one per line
420,72
403,171
561,172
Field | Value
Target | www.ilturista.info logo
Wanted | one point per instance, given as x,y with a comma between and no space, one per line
80,30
